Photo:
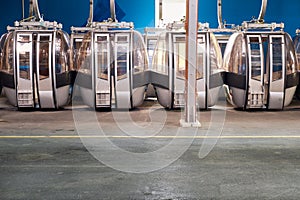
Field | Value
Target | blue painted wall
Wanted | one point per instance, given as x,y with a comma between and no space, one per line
141,12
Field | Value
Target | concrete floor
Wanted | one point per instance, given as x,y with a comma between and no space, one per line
47,155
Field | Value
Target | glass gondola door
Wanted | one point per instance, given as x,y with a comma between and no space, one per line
25,89
121,66
256,88
179,69
102,73
277,72
44,70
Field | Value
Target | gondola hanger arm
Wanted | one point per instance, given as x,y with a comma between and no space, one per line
262,12
34,11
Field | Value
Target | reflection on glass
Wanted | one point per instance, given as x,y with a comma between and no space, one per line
291,62
150,48
277,58
255,47
180,59
140,61
215,55
121,63
8,56
44,58
84,58
24,65
102,56
160,57
61,53
7,53
200,58
237,62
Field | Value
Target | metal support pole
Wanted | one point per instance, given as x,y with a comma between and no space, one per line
191,65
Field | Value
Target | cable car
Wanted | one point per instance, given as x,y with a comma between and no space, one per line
111,65
297,49
168,68
34,68
261,67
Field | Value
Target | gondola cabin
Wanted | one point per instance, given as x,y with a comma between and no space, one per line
168,67
34,65
111,66
261,67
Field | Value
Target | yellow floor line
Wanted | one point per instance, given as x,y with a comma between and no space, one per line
157,136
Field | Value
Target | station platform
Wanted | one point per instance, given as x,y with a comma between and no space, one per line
77,153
